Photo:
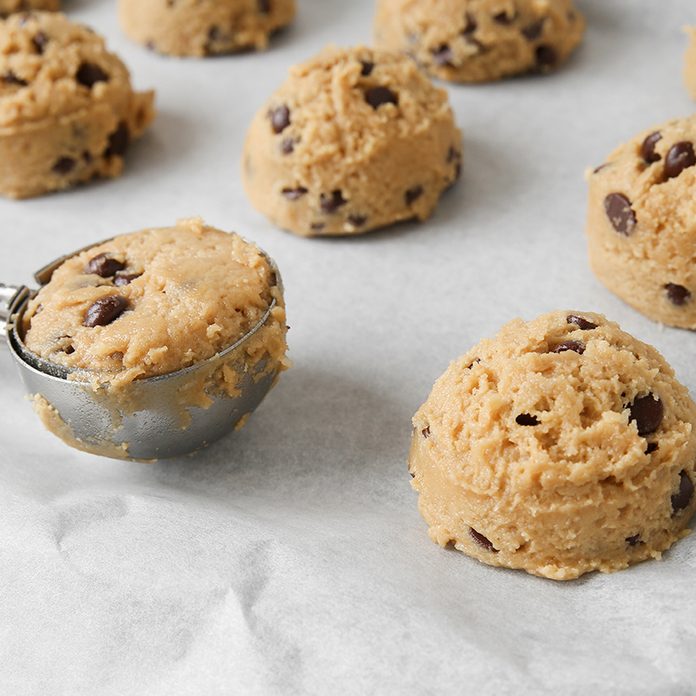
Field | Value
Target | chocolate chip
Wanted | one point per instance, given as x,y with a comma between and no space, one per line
453,154
596,170
546,57
330,203
682,497
9,78
533,31
105,310
357,220
680,156
287,146
504,17
413,194
376,96
63,165
412,474
69,350
426,432
652,447
292,194
214,33
677,294
648,412
39,41
280,118
104,266
481,540
88,74
471,24
634,540
367,67
527,419
620,214
317,226
575,346
442,55
580,322
118,141
125,278
264,6
647,149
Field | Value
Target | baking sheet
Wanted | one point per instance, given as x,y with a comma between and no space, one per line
290,558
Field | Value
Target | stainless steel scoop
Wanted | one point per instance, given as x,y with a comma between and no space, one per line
94,421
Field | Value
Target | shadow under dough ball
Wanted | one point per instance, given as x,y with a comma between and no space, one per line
204,27
480,40
68,111
641,226
354,140
561,446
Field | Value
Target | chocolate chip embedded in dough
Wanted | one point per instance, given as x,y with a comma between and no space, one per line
546,57
682,497
367,67
574,346
677,294
280,118
104,265
679,157
377,96
118,141
620,213
39,41
63,165
482,541
9,78
652,447
105,311
264,6
125,278
426,432
505,18
533,31
331,202
527,419
413,194
633,540
292,194
647,412
287,146
471,25
88,74
647,149
442,55
357,220
580,322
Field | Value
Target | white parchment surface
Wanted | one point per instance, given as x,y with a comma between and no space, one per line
290,558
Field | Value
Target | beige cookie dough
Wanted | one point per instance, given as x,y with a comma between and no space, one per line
480,40
204,27
9,6
354,140
67,108
156,301
641,222
690,62
561,446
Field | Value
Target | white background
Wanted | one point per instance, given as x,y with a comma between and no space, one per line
290,558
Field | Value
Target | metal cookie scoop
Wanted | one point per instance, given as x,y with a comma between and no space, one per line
95,421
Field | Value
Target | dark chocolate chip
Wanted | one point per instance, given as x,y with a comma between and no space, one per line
9,78
574,346
63,165
287,146
39,40
367,67
504,17
426,432
442,55
292,194
453,155
482,541
105,310
533,31
214,33
88,74
331,202
546,57
376,96
69,350
357,220
527,419
471,25
647,149
280,118
317,226
680,156
652,447
104,265
648,412
620,214
125,278
580,322
413,194
677,294
634,540
264,6
118,141
412,474
682,497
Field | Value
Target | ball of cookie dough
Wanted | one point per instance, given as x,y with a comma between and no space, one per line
354,140
690,62
156,301
204,27
641,225
67,108
480,40
9,6
561,446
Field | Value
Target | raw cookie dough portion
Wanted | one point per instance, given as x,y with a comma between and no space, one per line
9,6
67,108
204,27
690,62
155,301
480,40
641,222
561,446
354,140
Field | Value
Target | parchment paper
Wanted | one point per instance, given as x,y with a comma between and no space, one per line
290,558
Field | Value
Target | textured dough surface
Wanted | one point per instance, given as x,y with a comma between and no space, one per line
190,292
204,27
690,62
480,40
9,6
67,108
319,159
642,245
531,458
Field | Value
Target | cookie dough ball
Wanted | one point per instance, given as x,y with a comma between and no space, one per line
561,446
156,301
354,140
204,27
642,224
690,62
480,40
67,108
9,6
